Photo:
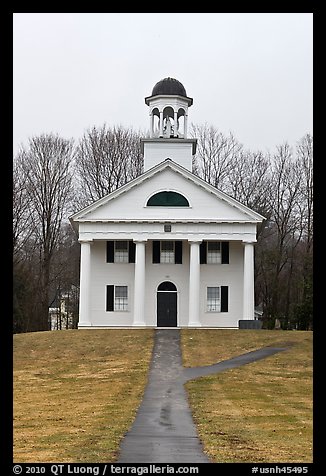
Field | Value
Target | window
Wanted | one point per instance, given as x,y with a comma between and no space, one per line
213,252
167,199
121,298
121,252
167,252
217,299
213,299
116,298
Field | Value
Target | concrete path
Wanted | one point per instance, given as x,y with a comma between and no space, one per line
164,431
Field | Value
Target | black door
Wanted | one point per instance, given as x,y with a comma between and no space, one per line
166,309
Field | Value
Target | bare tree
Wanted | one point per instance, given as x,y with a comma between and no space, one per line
21,211
305,161
215,156
249,181
106,158
303,310
276,250
46,167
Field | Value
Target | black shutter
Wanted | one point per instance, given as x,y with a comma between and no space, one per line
156,252
203,252
178,252
225,252
110,251
109,297
132,251
224,298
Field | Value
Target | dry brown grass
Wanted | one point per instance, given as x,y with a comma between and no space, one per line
76,392
261,412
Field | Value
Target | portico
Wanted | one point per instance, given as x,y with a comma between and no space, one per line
190,278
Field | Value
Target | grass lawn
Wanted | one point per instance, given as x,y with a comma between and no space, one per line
261,412
76,392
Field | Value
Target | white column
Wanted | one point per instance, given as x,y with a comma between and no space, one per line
175,131
151,124
161,123
139,285
194,285
248,282
84,293
185,126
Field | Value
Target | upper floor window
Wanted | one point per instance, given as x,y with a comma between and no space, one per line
121,251
214,252
168,199
167,252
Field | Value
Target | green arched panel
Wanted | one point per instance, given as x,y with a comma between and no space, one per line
168,199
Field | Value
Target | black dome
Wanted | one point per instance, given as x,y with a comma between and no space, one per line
169,86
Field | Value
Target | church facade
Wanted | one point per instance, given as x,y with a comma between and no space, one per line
166,249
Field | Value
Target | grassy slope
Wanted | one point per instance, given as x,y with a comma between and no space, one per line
76,392
261,412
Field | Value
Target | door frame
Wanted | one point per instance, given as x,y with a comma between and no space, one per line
176,292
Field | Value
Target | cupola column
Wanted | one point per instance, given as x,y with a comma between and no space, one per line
185,126
161,123
151,130
175,130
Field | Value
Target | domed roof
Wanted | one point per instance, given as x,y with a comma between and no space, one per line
169,86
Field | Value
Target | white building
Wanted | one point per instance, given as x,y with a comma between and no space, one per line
167,249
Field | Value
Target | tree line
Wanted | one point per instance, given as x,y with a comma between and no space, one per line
54,177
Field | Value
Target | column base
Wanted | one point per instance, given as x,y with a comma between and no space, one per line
194,324
139,324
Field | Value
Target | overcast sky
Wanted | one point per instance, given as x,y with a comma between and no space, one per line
248,73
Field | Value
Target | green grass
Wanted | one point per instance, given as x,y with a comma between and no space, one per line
76,393
261,412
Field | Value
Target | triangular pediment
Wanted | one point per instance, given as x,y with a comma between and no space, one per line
129,202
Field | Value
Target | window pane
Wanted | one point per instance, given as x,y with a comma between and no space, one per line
167,251
213,252
121,252
167,245
121,291
168,199
214,245
121,298
213,293
213,299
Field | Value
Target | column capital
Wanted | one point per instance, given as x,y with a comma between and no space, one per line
89,241
140,240
249,242
195,241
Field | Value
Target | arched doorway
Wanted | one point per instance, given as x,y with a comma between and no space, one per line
166,305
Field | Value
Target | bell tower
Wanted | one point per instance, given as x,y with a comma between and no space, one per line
168,114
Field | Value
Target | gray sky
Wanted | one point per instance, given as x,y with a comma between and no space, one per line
248,73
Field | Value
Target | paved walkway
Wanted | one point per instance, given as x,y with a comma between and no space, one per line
164,431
